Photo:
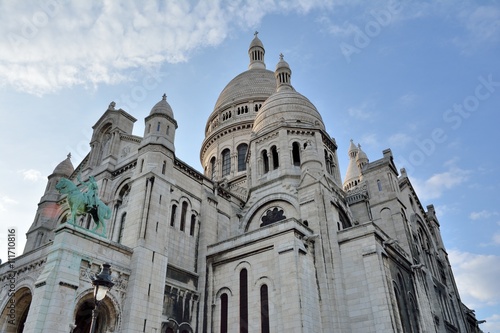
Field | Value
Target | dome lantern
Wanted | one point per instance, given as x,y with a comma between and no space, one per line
283,75
256,53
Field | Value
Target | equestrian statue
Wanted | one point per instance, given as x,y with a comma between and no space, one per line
85,202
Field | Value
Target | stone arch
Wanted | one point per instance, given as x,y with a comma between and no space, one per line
63,216
108,319
169,326
185,328
267,202
120,200
102,141
243,264
223,290
15,310
265,280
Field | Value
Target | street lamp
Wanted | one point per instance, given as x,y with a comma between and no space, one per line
102,284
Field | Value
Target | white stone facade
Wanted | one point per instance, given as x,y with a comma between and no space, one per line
267,239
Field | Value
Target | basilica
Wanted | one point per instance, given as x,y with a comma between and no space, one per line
272,236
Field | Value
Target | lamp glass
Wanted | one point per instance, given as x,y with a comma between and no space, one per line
100,292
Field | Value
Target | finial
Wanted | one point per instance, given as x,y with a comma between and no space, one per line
164,97
255,34
281,56
111,106
69,156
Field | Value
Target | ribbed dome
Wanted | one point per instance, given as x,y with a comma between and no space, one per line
256,42
249,85
290,107
64,168
162,107
361,155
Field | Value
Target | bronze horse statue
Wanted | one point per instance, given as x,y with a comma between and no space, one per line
81,203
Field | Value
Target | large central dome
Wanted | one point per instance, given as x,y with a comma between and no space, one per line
253,84
229,126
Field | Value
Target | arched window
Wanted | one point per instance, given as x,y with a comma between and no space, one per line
122,227
242,152
212,168
183,215
397,295
164,168
193,225
226,162
265,161
158,127
274,155
344,219
414,313
172,215
296,153
243,301
223,313
264,309
327,163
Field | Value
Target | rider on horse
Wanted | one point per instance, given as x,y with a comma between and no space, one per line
91,194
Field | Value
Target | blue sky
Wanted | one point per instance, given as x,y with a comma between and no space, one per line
419,77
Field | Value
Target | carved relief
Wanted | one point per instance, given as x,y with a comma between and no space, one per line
272,215
120,279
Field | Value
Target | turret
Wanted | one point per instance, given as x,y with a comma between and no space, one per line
353,173
283,75
42,228
256,53
361,159
160,125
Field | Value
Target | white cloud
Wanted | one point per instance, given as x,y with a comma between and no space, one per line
31,175
6,201
408,99
484,214
369,139
58,44
481,25
399,140
476,276
434,186
492,323
361,112
496,238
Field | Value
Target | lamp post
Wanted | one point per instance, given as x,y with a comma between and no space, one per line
102,284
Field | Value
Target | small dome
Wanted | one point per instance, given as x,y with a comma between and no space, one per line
286,106
162,107
65,168
362,157
282,64
256,42
290,107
